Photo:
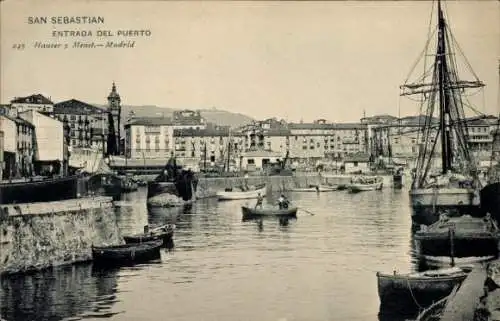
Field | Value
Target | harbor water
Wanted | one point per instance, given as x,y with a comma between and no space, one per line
315,268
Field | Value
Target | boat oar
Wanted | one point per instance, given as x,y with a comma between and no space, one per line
308,212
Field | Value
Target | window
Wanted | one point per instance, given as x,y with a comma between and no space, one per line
251,161
355,164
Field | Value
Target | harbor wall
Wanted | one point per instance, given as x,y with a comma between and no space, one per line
40,235
207,187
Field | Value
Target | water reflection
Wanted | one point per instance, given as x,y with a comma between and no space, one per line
316,267
56,294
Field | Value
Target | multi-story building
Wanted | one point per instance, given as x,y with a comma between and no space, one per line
114,107
88,123
152,137
36,102
321,139
19,145
51,149
403,137
210,146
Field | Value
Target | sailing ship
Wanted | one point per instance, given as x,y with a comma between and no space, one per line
490,194
455,186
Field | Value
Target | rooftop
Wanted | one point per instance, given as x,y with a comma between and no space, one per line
209,132
32,99
76,107
150,121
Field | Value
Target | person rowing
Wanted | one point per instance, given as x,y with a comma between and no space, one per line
260,200
283,202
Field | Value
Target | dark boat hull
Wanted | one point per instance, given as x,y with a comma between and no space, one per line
165,237
251,212
490,200
405,295
47,190
184,186
126,254
463,246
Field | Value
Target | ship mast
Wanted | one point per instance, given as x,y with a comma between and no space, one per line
444,97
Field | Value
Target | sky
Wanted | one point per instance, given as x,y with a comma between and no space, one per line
293,60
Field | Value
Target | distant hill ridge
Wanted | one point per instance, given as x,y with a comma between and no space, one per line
212,115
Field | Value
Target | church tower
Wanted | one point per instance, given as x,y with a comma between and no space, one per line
114,107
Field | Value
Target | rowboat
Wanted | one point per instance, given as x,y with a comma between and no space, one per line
241,193
126,253
316,188
163,233
434,311
270,211
407,292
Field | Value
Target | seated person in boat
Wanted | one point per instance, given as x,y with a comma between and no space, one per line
260,199
283,202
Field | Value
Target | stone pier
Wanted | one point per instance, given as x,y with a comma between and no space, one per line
40,235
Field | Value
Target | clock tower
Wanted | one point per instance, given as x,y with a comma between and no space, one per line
114,107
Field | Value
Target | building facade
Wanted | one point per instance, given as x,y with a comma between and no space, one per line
214,145
2,165
87,123
36,102
153,137
321,139
50,140
18,145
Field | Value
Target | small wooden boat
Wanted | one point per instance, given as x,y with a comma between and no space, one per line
316,188
241,193
361,184
458,239
164,233
270,211
127,253
407,292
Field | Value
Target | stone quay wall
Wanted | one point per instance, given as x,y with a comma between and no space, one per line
40,235
207,187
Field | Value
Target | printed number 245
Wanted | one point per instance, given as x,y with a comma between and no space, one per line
18,46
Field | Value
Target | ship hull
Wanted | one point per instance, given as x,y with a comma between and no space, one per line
427,204
490,200
47,190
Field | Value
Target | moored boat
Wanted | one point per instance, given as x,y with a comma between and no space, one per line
435,310
242,192
361,184
458,239
269,211
126,253
316,188
174,181
39,189
163,233
406,293
444,134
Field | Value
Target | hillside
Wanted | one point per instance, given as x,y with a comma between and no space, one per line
213,115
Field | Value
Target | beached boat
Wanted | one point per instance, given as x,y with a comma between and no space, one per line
463,239
456,186
163,233
360,184
242,192
316,188
269,211
406,293
127,253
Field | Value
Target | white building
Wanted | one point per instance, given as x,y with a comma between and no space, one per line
258,159
49,137
153,137
36,102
